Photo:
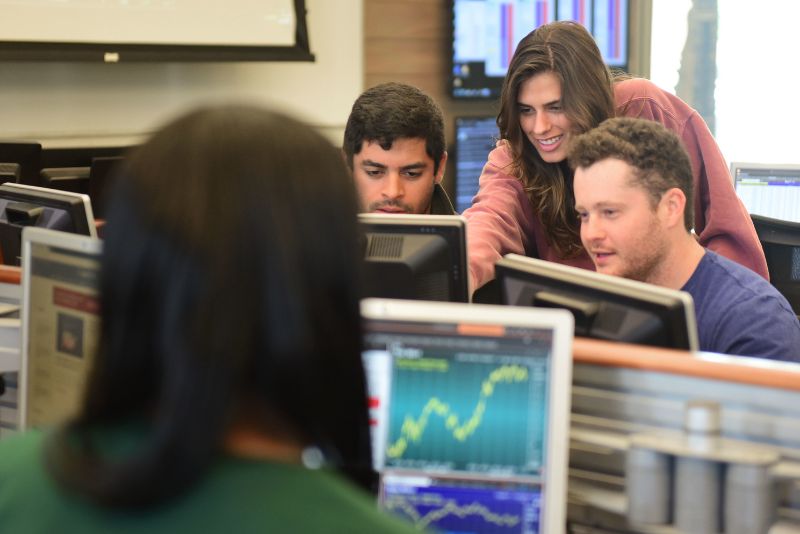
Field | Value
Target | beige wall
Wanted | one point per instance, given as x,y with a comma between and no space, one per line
407,41
69,104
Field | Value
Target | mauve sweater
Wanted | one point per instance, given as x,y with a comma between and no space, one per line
501,219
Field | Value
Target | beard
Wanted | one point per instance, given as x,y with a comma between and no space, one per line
647,255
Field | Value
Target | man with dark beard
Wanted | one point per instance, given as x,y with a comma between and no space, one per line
394,145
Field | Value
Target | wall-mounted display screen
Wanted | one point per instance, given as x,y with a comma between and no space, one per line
486,32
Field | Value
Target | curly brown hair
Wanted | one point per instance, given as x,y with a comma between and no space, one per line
657,156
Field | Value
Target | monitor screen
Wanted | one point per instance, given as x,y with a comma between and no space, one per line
604,307
24,205
22,160
469,411
415,256
475,138
486,32
768,190
60,323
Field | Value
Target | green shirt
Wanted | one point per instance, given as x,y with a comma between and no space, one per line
236,496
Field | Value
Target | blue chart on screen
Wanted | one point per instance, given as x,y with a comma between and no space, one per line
446,508
462,415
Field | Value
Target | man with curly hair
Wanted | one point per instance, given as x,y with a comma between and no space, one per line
633,195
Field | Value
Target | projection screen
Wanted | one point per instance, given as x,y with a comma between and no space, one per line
154,30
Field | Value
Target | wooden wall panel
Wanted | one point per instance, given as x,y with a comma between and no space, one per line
408,41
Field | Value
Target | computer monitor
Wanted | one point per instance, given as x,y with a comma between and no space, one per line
25,205
604,307
780,240
60,324
768,190
475,138
469,413
75,179
102,173
21,159
485,35
415,256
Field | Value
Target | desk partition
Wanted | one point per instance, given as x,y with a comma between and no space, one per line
669,441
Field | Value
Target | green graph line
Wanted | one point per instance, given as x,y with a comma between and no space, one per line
451,508
413,429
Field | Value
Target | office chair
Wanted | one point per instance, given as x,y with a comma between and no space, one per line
781,242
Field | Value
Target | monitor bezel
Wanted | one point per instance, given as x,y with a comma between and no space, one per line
742,165
26,154
560,322
57,199
614,286
50,238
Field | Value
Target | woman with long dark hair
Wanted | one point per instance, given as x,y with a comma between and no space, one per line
558,86
227,393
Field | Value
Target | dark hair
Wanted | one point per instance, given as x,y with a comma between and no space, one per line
228,286
567,50
658,158
392,111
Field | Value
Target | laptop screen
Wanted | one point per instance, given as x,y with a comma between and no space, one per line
60,323
469,414
769,190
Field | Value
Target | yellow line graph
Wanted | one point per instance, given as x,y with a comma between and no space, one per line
450,507
413,429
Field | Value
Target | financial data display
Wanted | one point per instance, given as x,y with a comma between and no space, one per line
475,138
459,423
468,404
770,191
463,507
486,33
462,412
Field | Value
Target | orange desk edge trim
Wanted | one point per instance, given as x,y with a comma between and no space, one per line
604,353
10,274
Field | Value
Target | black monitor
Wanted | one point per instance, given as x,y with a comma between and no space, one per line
475,138
75,179
24,205
485,35
421,257
102,173
781,243
604,307
21,162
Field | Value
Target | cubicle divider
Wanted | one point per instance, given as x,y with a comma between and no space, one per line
666,441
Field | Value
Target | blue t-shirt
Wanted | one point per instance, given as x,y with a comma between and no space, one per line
739,312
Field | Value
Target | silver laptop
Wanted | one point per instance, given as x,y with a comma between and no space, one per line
469,413
60,323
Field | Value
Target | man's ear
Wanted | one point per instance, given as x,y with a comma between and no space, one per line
442,165
674,205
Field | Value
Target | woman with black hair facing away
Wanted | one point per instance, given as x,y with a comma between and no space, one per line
228,392
558,86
